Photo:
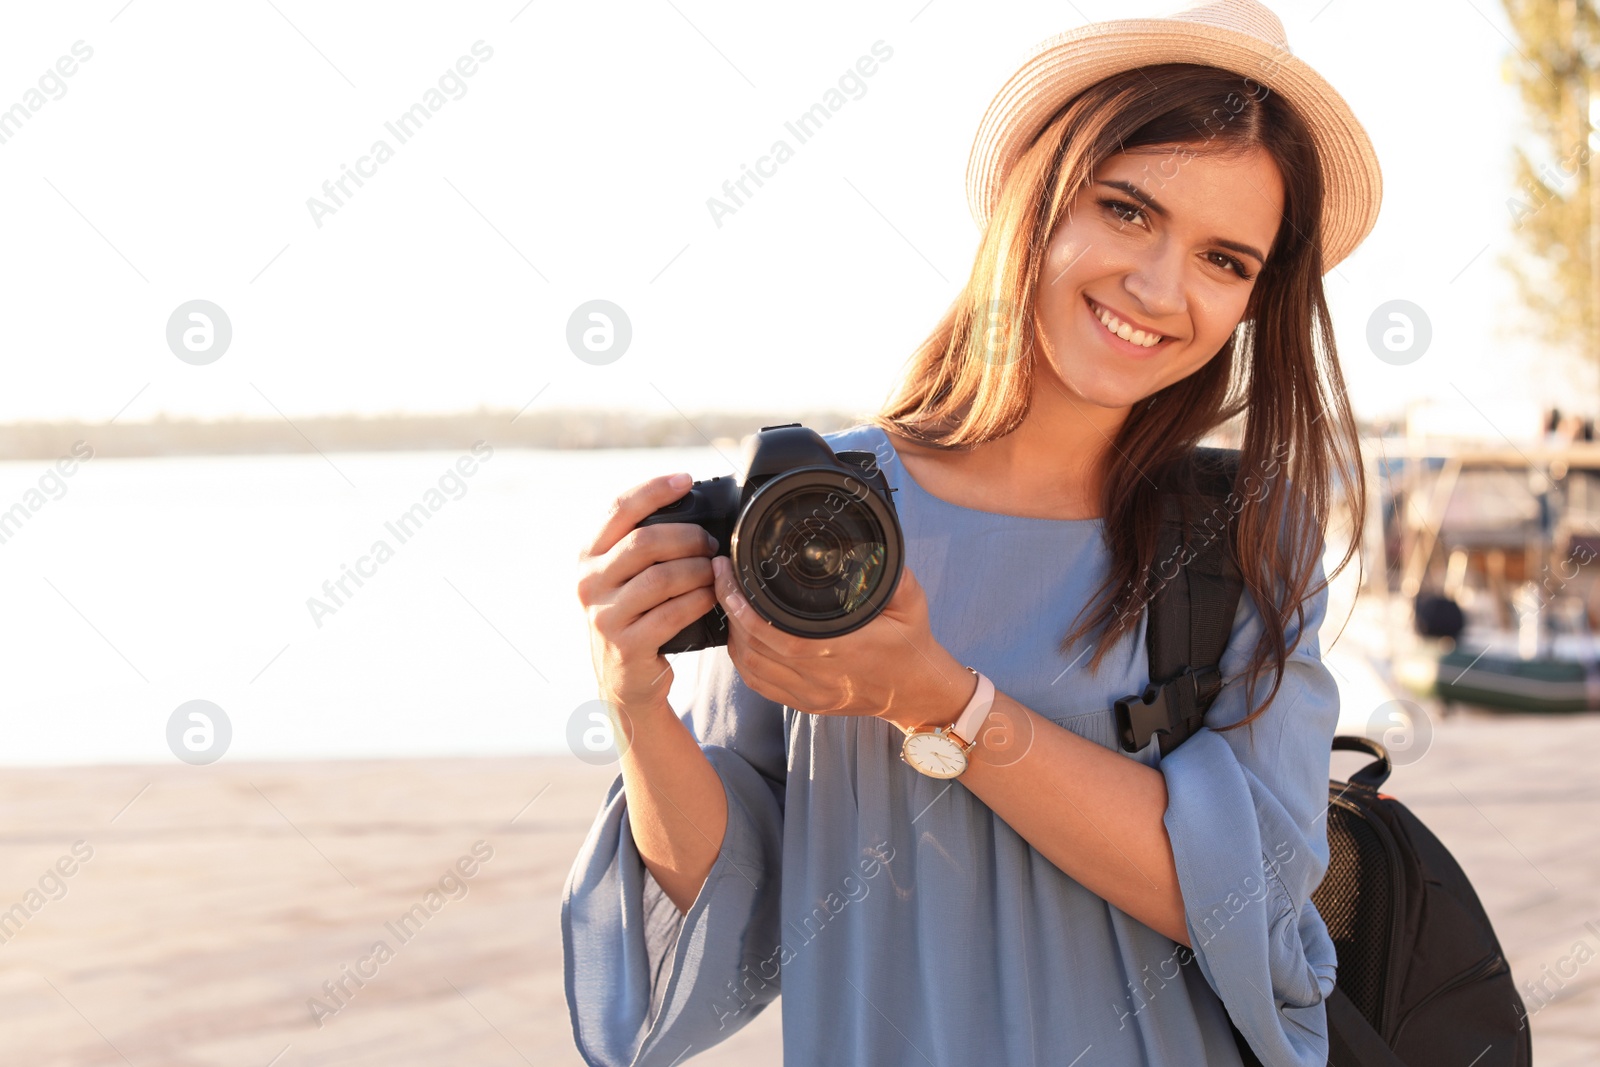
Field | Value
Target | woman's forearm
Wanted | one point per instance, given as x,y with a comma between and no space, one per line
677,808
1094,813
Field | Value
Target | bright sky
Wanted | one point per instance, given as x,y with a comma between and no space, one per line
575,165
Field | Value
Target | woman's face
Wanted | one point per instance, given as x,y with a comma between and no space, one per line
1182,264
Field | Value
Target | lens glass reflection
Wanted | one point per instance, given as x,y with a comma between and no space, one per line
819,552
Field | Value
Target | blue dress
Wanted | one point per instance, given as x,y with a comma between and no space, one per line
905,922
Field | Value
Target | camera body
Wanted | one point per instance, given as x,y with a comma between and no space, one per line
813,536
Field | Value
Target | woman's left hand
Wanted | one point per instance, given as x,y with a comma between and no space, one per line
892,667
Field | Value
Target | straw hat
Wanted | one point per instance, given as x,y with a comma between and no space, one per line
1242,36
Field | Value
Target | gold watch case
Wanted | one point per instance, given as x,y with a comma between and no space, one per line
938,752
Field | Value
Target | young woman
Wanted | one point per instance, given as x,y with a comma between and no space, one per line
1160,200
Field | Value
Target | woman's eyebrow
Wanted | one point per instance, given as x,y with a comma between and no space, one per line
1148,201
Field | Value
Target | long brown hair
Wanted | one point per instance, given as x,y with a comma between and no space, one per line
971,381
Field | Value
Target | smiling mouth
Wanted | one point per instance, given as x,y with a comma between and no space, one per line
1123,331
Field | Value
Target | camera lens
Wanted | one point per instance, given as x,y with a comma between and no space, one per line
818,552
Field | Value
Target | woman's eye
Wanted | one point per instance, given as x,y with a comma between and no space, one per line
1232,264
1118,207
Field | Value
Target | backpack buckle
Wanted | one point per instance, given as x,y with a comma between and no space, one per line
1166,709
1141,715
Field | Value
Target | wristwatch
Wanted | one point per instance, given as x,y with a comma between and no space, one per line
941,752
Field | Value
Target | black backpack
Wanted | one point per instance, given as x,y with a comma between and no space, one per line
1422,979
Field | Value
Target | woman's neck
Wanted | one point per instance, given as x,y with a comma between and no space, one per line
1047,468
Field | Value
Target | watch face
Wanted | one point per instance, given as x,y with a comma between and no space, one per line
934,755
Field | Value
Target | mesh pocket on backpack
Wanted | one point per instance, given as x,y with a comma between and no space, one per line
1355,900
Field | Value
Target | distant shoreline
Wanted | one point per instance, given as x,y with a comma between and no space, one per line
560,429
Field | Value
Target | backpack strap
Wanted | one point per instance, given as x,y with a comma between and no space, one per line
1352,1042
1190,618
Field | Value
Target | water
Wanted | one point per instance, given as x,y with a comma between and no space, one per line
151,582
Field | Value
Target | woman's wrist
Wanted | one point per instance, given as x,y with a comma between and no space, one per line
946,688
640,721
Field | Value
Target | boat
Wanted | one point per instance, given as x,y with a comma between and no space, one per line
1499,547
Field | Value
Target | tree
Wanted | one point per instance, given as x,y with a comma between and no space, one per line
1556,209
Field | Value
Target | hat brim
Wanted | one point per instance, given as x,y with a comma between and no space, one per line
1070,62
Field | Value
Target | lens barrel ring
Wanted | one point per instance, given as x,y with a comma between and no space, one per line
760,510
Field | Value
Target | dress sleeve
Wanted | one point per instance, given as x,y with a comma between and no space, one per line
1247,818
646,983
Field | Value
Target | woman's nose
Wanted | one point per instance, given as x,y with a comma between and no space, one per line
1157,284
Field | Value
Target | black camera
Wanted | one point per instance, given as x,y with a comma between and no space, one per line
813,536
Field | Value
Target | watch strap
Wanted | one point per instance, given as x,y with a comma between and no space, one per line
970,721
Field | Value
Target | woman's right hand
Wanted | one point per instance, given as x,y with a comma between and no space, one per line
639,586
